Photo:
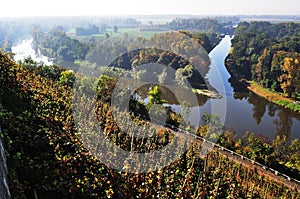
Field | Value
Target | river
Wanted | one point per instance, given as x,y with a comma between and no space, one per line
244,110
24,50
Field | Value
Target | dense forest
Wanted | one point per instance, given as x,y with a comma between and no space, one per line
128,52
268,54
47,156
212,28
57,44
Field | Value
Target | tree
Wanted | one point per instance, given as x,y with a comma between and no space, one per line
214,124
103,28
183,74
155,96
294,153
80,31
106,36
290,79
64,52
257,149
185,112
261,70
6,46
67,77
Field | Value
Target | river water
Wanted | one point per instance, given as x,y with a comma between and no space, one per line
245,111
240,109
24,50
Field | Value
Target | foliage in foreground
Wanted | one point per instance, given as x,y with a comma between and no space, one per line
45,154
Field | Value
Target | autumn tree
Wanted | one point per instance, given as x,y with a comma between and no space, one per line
290,79
261,70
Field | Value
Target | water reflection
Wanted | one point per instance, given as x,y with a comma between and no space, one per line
247,111
258,109
283,123
263,110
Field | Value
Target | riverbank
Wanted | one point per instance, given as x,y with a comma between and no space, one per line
272,97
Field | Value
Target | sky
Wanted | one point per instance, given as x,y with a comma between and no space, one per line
25,8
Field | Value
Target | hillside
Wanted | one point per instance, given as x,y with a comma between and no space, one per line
47,156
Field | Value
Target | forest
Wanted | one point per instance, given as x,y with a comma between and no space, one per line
127,52
267,54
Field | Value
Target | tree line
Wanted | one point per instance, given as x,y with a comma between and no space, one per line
268,54
121,51
203,24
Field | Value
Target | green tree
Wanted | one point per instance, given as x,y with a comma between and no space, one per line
162,76
294,154
280,147
214,126
67,78
155,96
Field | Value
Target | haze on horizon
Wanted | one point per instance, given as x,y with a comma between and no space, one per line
21,8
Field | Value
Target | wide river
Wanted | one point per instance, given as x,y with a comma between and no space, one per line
240,110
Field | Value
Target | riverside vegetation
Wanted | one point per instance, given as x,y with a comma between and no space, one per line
268,54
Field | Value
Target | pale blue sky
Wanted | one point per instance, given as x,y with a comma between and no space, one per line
137,7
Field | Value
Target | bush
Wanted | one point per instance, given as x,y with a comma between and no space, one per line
67,78
290,105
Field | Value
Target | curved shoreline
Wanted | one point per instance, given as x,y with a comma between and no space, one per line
273,97
270,96
285,102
